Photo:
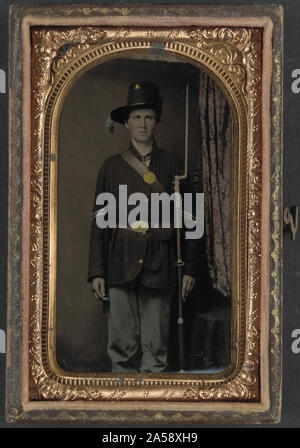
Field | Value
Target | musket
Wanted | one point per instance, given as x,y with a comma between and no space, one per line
179,262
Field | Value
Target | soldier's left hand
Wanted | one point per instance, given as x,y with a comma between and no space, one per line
188,283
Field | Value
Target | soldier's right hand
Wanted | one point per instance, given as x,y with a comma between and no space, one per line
98,287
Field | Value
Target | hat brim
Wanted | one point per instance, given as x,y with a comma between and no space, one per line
119,115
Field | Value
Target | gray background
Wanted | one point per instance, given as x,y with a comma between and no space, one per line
291,194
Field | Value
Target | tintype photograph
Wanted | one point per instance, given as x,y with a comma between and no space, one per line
93,132
147,240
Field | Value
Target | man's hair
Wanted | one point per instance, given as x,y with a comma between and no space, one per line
156,110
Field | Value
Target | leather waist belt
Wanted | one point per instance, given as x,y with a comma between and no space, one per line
137,229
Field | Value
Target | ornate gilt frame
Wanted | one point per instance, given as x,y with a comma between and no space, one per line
57,46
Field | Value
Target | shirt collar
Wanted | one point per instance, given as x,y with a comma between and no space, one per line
137,154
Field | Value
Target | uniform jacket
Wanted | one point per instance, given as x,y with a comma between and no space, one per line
121,255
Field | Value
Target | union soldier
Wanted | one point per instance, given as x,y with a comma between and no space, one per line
133,270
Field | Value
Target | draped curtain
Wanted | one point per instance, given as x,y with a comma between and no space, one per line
216,145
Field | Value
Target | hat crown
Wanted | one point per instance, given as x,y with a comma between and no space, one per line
143,93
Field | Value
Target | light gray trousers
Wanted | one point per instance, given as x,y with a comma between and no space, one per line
138,328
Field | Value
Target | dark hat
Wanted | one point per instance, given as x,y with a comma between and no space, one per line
141,95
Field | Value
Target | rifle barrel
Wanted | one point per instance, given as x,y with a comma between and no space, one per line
179,262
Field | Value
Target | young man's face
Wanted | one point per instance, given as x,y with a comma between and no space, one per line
141,125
